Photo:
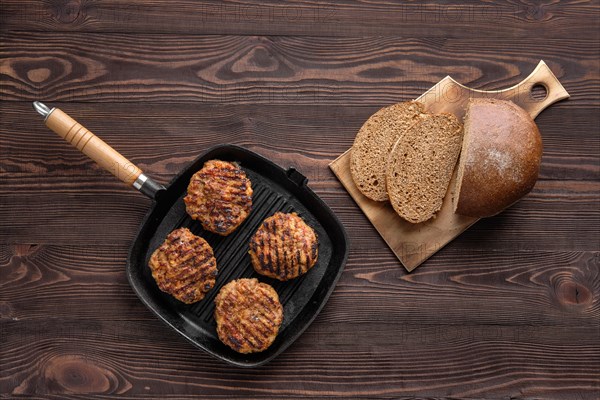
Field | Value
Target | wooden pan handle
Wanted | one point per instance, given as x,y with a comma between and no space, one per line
96,149
521,94
92,146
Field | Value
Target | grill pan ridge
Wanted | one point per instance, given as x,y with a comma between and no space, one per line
275,189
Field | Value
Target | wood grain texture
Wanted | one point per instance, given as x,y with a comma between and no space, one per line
493,349
448,18
544,283
165,137
567,211
278,70
509,310
36,167
485,361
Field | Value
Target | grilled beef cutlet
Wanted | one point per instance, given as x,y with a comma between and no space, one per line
184,266
219,196
284,247
248,315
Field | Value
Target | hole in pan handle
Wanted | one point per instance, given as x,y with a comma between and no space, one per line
296,177
96,149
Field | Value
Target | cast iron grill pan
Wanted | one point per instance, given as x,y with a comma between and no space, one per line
275,189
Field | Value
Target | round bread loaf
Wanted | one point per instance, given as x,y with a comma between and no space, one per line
500,158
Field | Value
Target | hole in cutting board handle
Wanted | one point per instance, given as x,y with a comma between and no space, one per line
539,91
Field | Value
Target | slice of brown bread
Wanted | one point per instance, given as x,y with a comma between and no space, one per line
421,164
374,142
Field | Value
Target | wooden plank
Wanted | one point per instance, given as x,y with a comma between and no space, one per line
361,71
552,288
67,299
450,18
474,362
556,215
37,168
163,138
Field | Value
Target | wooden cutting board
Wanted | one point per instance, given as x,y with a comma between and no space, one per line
415,243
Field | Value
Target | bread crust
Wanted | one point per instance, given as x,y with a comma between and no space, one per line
500,159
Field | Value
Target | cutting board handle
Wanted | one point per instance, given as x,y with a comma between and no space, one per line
522,93
449,95
96,149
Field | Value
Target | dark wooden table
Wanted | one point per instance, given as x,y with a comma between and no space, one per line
510,309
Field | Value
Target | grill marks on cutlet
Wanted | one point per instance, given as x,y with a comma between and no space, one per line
284,247
184,266
248,315
219,196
